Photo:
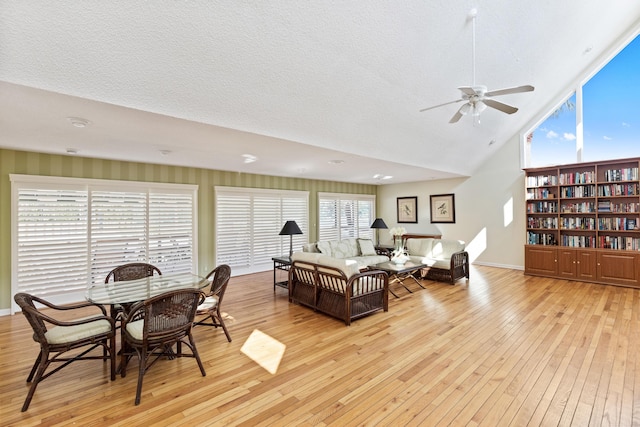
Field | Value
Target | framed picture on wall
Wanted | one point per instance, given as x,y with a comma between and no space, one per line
408,209
443,208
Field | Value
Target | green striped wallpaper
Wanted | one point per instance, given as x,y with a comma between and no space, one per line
28,163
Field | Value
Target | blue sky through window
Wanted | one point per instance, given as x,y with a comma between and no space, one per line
610,116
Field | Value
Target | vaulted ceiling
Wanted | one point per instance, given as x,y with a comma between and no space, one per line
294,84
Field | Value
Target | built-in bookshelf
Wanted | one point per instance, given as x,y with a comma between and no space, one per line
589,207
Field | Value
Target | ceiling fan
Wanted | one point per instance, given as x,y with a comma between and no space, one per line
477,97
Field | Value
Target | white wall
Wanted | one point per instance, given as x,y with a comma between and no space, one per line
490,209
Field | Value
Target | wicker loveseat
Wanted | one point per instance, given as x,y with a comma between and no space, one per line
447,259
336,286
362,251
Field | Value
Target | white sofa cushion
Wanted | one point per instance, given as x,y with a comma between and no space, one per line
443,248
345,248
434,252
420,247
369,260
366,247
324,247
347,266
310,247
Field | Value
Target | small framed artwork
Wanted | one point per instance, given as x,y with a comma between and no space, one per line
408,209
443,208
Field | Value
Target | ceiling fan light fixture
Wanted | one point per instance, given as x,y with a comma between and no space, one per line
464,110
478,108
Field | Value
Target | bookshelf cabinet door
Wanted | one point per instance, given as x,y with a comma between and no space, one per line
618,267
586,263
540,260
567,266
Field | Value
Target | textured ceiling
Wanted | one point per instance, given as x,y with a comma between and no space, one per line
295,84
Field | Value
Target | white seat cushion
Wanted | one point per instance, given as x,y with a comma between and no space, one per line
209,303
135,329
65,334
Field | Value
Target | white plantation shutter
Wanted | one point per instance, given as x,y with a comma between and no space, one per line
118,230
248,222
171,231
233,230
50,244
297,209
69,233
267,223
365,217
328,218
343,216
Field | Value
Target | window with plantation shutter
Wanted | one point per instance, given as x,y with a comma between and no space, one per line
343,216
172,231
248,223
50,240
68,233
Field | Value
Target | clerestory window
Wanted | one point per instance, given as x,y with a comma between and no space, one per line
599,121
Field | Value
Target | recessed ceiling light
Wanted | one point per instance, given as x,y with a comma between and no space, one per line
78,122
379,176
249,158
336,162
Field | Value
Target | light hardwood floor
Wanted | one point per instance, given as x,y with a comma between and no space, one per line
502,349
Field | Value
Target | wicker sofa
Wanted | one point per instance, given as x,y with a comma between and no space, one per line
336,286
447,259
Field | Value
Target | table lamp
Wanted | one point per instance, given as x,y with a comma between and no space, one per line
378,224
290,228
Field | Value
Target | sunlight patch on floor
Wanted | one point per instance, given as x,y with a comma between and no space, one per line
264,350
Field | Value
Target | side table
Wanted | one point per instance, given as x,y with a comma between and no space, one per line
282,263
384,250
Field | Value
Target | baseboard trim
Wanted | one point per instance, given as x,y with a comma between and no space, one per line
491,264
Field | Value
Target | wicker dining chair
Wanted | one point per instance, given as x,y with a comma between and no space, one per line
154,325
57,337
211,306
132,271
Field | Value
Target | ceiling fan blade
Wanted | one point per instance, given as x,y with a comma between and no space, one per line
500,106
458,115
467,90
526,88
442,105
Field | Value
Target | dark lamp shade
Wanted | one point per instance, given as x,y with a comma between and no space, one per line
379,223
290,227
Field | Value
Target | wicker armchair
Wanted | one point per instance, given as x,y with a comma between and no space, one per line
135,270
152,327
132,271
211,305
58,337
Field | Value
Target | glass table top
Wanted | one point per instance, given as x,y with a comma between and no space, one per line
140,289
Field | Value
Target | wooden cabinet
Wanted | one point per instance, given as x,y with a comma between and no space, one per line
577,264
586,218
618,268
540,260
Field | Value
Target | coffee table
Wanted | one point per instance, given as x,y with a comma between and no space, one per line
398,273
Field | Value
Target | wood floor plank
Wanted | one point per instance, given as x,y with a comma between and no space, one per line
501,349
